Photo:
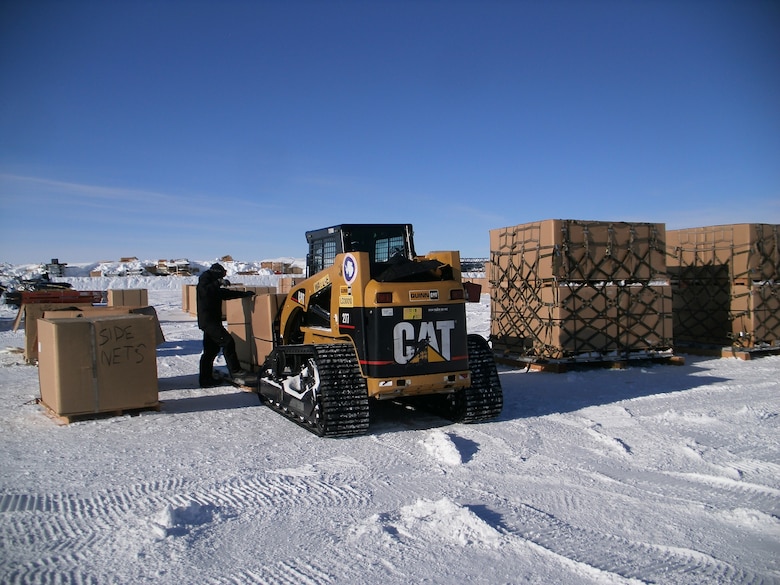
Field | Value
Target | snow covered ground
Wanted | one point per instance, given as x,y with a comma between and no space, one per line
659,474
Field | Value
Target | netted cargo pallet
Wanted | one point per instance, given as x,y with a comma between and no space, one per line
554,321
720,314
736,252
574,250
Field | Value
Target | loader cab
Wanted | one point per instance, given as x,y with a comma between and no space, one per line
385,243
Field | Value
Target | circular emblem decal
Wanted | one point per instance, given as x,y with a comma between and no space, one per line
349,268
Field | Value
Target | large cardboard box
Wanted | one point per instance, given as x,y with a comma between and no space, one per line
97,364
31,312
242,336
240,310
192,300
250,322
726,313
239,325
755,314
565,249
185,297
701,312
265,310
128,297
576,319
746,251
287,283
92,311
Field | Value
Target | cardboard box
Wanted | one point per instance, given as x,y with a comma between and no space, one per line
74,313
265,311
250,322
185,297
128,297
726,313
240,310
755,314
700,311
242,335
287,283
192,302
558,321
562,249
31,312
97,364
746,251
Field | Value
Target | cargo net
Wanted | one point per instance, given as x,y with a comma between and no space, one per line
570,250
740,253
725,282
553,321
754,315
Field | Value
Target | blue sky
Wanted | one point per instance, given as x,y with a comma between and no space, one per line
195,129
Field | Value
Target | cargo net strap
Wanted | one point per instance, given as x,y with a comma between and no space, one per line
701,312
726,314
600,254
714,255
754,315
588,320
585,252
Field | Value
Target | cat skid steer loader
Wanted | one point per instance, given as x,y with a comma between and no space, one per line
373,320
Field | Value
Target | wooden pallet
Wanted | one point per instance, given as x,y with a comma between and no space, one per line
560,366
66,419
742,353
225,377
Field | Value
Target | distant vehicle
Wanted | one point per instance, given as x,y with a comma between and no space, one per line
13,292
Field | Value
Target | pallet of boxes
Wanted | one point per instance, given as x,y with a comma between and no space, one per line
247,318
250,322
98,359
726,289
569,292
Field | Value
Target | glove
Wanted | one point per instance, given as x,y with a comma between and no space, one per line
250,293
225,282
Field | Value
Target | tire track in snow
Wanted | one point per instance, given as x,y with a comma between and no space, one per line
51,528
295,572
626,558
671,485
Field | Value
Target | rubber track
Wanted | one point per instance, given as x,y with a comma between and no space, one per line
343,391
484,399
343,394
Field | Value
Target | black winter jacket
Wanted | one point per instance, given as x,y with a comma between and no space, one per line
210,295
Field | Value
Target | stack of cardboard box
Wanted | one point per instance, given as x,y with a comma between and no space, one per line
128,297
189,296
31,313
250,322
726,285
569,288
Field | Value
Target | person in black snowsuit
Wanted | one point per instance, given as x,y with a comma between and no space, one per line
210,294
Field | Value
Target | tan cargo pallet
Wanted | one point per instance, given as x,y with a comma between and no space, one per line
62,419
742,353
562,365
